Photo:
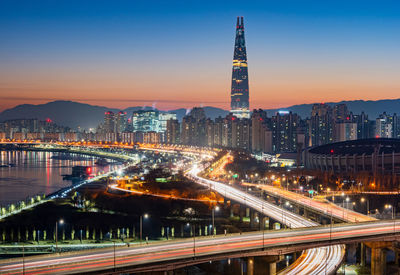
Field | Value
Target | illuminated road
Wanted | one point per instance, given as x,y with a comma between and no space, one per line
313,261
174,251
324,207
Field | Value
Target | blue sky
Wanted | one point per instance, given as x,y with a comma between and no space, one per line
139,52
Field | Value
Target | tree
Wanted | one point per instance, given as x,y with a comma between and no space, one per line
87,232
72,233
94,234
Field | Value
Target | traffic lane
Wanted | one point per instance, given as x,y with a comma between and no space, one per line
226,245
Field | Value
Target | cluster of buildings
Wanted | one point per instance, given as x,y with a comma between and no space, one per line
144,126
34,129
241,129
282,132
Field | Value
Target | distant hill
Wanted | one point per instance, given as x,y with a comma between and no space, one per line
65,113
75,114
371,108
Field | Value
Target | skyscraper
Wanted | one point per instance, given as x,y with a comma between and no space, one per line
240,81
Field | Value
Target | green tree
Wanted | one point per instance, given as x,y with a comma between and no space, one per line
87,232
94,234
72,233
44,235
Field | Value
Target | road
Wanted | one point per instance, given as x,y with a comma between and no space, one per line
85,261
322,206
311,261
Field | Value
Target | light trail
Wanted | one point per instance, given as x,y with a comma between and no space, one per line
173,251
311,264
324,207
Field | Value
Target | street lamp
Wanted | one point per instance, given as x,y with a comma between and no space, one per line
61,221
347,202
389,206
363,200
141,225
216,208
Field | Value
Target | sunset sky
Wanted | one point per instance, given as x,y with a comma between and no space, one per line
175,54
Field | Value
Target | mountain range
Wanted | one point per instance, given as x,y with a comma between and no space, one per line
75,114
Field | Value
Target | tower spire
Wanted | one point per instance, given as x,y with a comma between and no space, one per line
240,82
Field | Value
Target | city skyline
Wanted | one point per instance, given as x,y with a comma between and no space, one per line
115,55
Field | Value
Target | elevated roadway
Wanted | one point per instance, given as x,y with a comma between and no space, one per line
172,254
324,207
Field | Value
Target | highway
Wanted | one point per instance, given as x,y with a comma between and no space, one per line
173,251
310,263
323,207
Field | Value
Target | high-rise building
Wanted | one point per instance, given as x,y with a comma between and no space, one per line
340,112
321,125
164,117
241,131
120,121
173,131
345,130
258,131
384,126
364,126
284,126
194,128
145,121
240,81
109,122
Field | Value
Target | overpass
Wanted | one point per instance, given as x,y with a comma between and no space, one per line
324,208
311,263
169,255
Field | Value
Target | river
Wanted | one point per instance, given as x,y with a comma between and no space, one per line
34,172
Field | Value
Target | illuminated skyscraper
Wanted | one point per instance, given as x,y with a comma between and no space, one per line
240,81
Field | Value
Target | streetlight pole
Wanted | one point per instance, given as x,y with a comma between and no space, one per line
61,222
367,200
262,221
194,240
141,226
216,208
114,257
23,259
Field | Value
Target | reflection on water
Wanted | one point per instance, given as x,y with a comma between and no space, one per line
38,173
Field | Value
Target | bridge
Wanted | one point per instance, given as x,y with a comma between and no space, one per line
323,255
169,255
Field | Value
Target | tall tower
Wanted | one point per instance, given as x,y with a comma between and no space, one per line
240,78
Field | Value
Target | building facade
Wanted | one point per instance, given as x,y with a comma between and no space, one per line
240,77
